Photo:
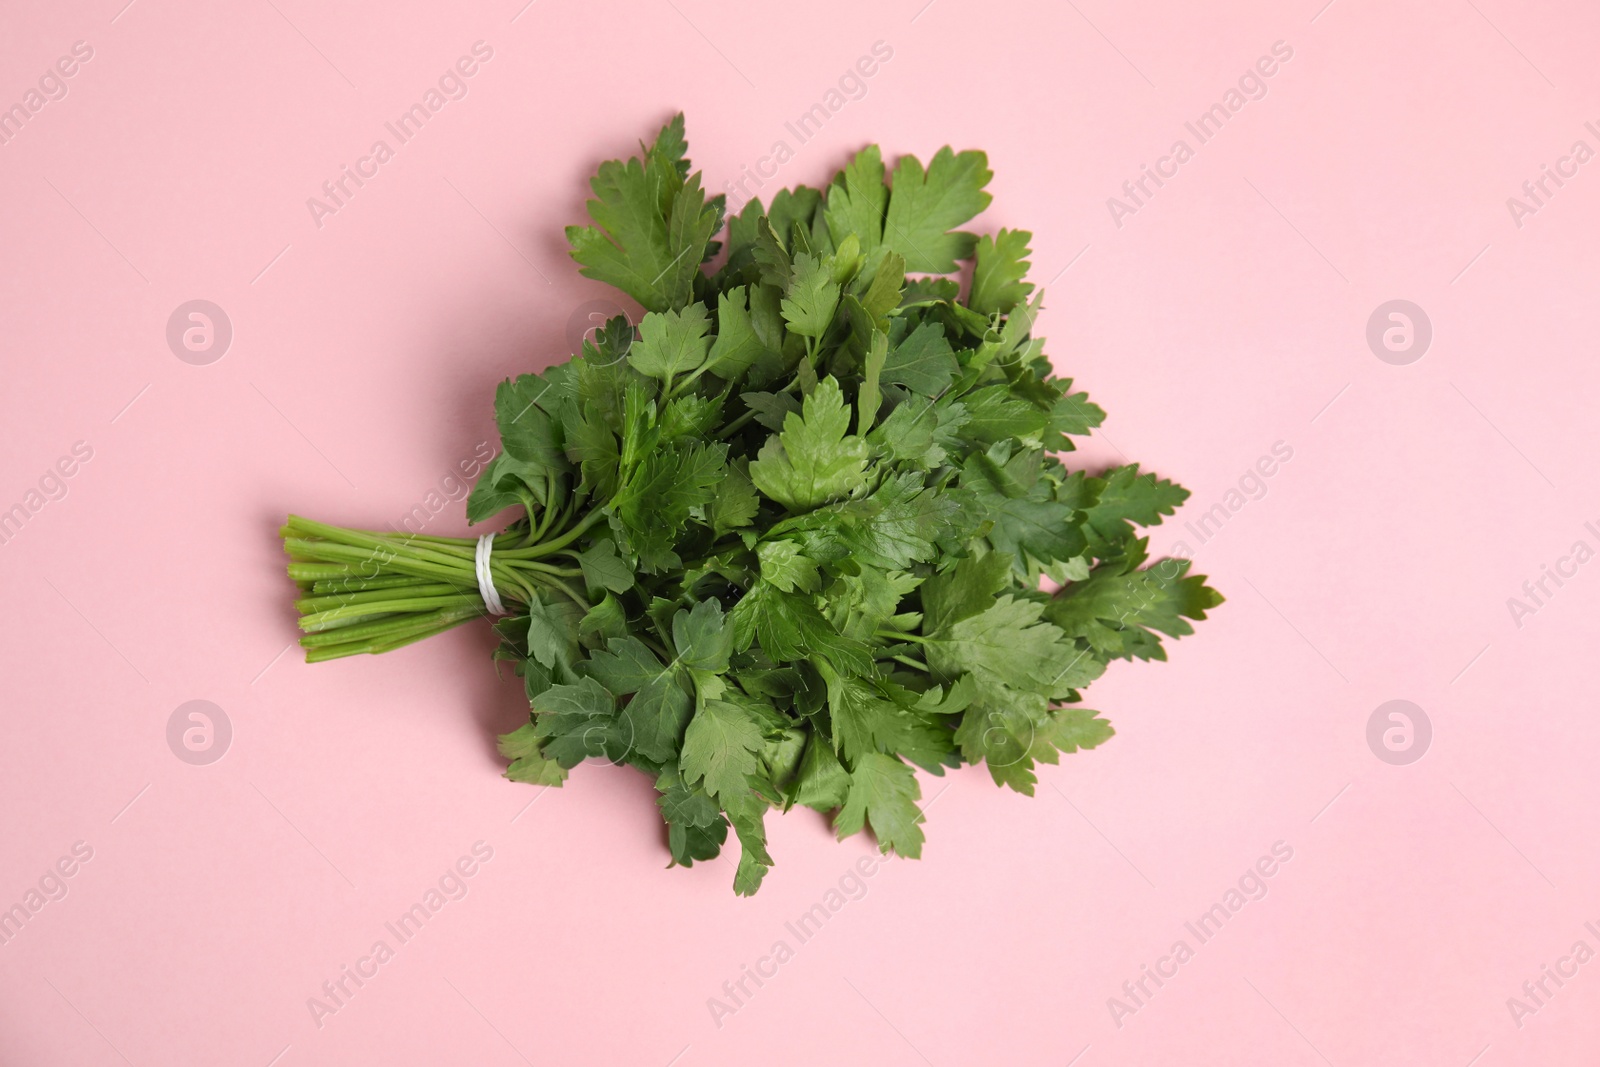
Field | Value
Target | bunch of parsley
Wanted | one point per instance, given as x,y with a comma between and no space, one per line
791,536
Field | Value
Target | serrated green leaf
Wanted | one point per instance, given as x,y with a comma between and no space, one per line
822,782
522,409
871,394
606,619
884,793
720,748
576,722
1009,646
857,200
1127,497
747,813
810,298
604,569
657,501
525,750
702,637
999,265
922,362
814,459
735,503
785,566
737,345
671,342
925,206
1115,612
651,226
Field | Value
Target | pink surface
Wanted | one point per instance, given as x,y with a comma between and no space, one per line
1222,318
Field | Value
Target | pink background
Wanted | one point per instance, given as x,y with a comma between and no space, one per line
1226,315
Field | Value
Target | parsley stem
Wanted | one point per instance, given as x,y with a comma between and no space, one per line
309,605
332,552
431,550
320,572
381,636
353,583
384,628
323,620
690,380
533,527
564,572
549,547
557,583
737,424
547,515
367,591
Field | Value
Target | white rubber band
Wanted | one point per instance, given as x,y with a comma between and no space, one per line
486,589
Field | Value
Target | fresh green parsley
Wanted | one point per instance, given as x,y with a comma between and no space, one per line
803,530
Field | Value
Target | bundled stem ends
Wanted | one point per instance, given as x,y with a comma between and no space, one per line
365,591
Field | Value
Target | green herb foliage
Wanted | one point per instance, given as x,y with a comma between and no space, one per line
804,529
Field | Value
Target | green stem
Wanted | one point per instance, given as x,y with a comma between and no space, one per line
384,629
318,572
737,424
388,594
320,620
337,553
550,547
354,584
557,583
545,568
380,637
690,380
371,592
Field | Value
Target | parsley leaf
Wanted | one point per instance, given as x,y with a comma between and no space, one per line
925,205
923,362
811,297
884,792
651,226
814,459
737,344
999,265
720,747
575,722
1115,613
1008,646
857,199
525,750
671,342
1127,497
604,569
